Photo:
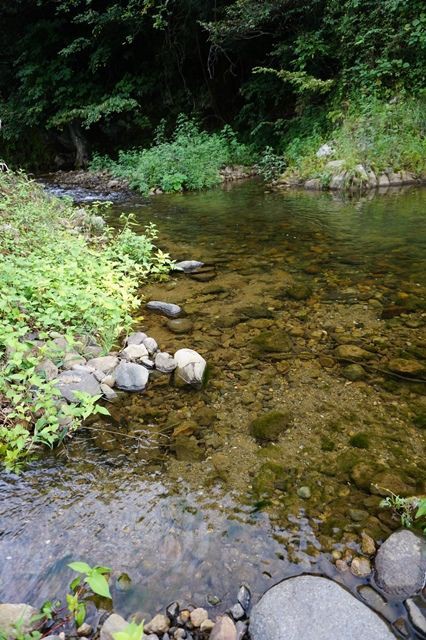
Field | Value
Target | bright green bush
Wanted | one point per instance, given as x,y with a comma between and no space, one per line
190,160
53,278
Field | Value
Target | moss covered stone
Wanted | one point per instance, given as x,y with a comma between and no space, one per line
269,426
272,342
360,441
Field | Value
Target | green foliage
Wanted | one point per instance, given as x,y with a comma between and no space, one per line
54,279
412,511
190,160
133,631
270,165
93,576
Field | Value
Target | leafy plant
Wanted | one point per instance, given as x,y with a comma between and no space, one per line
133,631
94,578
271,165
412,511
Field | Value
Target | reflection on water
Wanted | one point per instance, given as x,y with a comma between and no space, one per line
172,488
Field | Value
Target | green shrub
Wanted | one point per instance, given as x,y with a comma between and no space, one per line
53,278
190,160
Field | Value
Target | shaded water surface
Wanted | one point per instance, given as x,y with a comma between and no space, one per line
173,489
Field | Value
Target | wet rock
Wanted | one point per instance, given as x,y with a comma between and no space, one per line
136,338
224,629
352,352
299,291
131,377
112,624
304,492
360,567
188,266
190,367
47,369
354,372
244,597
237,612
16,614
108,393
368,545
401,564
134,352
165,362
159,624
358,515
151,345
180,325
255,312
198,616
338,181
410,368
203,276
105,363
164,308
387,481
269,426
375,601
416,615
362,475
314,608
272,342
313,184
69,382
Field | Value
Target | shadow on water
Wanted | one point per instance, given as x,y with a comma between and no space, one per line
172,489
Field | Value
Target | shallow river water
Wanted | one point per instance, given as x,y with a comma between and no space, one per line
172,489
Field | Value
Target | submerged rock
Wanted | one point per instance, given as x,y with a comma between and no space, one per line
180,325
314,608
131,377
354,372
401,564
165,308
352,352
187,266
410,368
269,426
71,381
190,367
12,615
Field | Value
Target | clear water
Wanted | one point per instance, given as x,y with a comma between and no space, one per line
192,515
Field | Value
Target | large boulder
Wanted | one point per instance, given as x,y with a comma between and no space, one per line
401,564
79,380
15,620
190,367
314,608
131,377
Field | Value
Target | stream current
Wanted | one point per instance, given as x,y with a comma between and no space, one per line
172,489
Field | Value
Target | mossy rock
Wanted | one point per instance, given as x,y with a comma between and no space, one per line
360,441
269,477
272,342
327,444
297,291
269,426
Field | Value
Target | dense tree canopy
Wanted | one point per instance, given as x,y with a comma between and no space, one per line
76,74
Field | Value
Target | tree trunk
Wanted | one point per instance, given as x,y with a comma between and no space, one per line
80,145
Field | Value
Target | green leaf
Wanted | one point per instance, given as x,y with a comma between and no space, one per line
98,584
80,567
421,511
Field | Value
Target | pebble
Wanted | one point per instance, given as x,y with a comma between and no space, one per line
368,545
304,492
159,624
198,616
84,629
416,615
207,626
224,629
360,567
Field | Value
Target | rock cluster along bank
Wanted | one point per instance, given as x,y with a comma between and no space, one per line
304,607
126,370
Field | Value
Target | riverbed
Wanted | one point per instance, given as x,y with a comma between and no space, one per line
173,489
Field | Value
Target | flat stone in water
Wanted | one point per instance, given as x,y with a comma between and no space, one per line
314,608
131,377
401,564
187,266
180,325
165,308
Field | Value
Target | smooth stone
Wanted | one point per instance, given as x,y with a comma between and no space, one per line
368,546
352,352
112,624
314,608
165,308
401,564
237,612
190,367
165,362
108,393
187,266
159,624
244,597
180,325
134,352
131,377
354,372
106,364
48,369
69,382
13,614
136,338
150,345
407,367
198,616
224,629
416,615
360,567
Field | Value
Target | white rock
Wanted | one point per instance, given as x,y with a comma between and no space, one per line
190,366
134,352
150,345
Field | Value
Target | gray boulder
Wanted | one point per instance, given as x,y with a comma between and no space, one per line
111,625
131,377
105,363
48,369
150,345
401,564
136,338
190,367
314,608
187,266
12,615
134,352
71,381
165,308
165,363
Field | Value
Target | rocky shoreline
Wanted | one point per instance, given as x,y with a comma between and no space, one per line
304,607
